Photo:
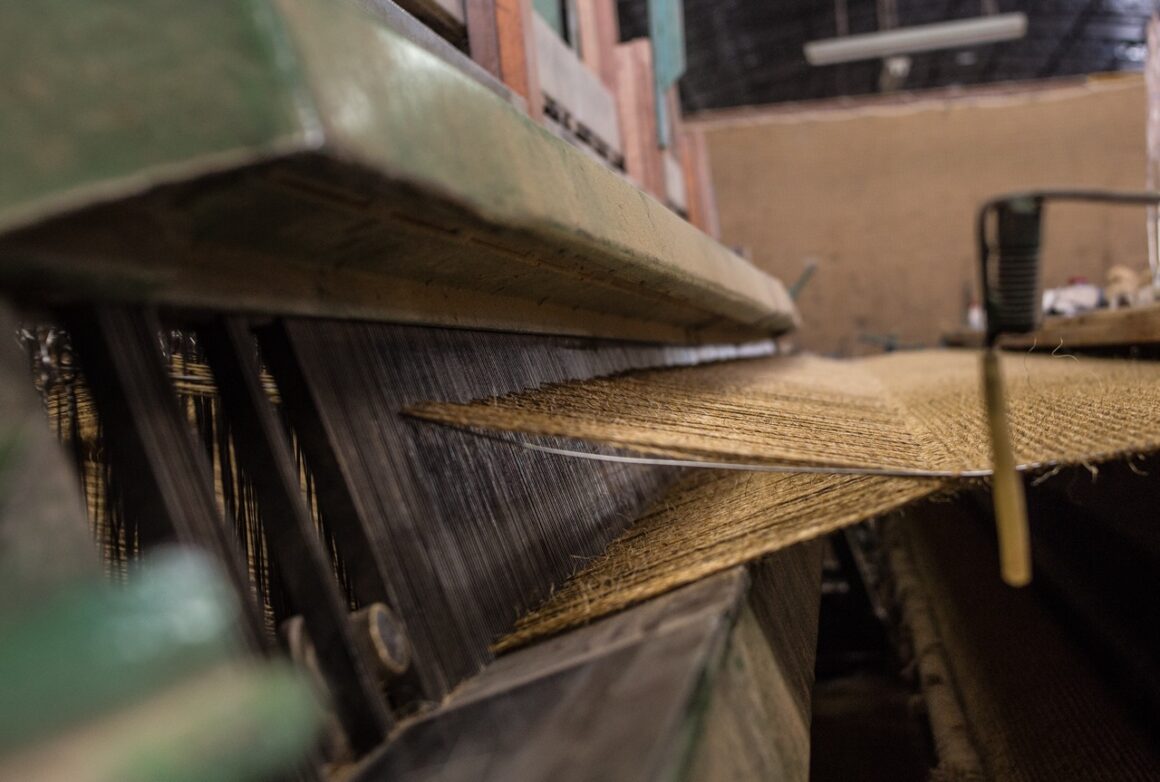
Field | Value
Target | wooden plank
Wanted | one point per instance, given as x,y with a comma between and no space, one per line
170,495
757,723
435,201
447,17
636,101
599,36
699,182
1102,328
575,88
501,38
614,713
304,569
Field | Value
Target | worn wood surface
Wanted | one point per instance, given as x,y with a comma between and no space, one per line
1100,329
501,38
466,533
304,568
163,478
422,23
431,200
608,702
704,683
757,723
638,129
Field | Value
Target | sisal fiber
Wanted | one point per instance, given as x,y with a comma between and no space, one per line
709,522
908,411
1030,701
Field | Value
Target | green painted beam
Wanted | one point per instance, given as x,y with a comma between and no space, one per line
296,156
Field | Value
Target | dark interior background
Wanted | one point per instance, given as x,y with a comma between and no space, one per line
748,52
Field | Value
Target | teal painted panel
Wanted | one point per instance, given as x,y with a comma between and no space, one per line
96,92
552,12
666,29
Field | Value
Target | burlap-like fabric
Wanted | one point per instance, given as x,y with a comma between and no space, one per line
709,522
912,411
1035,705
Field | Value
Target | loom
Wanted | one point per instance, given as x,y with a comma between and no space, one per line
226,320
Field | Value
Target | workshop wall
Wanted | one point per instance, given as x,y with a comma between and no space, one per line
882,193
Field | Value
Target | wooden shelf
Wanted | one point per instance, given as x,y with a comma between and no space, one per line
1102,328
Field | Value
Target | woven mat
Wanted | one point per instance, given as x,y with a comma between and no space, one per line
1035,706
910,411
915,411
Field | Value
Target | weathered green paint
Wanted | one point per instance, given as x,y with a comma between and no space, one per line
111,96
552,12
424,196
98,646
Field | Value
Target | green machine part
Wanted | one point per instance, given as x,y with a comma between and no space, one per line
145,680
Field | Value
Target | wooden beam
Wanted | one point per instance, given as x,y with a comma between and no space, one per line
305,570
1100,329
637,107
693,684
501,38
599,36
433,200
699,182
169,496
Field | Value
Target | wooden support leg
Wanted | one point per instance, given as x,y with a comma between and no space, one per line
307,576
168,489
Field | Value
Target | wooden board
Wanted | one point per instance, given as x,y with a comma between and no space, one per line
658,692
757,723
638,132
599,36
500,37
425,197
1102,328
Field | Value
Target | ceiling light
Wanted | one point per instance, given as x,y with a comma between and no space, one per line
920,38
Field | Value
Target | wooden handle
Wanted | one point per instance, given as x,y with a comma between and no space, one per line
1006,485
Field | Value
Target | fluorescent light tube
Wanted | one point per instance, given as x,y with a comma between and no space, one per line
921,38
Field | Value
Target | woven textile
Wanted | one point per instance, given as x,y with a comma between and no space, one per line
910,411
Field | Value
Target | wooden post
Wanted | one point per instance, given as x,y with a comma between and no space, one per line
699,182
501,39
599,35
638,127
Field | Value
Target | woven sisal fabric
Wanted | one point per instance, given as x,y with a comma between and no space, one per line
910,411
1034,703
711,522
